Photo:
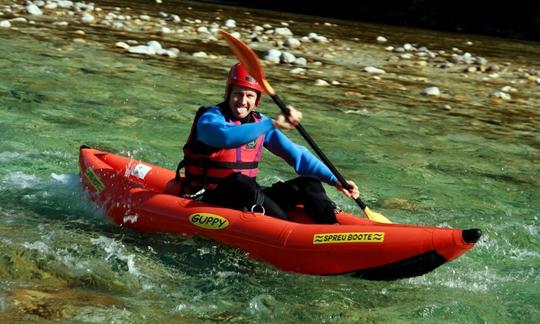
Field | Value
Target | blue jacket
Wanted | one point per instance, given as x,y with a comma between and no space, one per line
214,130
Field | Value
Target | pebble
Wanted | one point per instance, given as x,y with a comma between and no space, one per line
502,95
292,42
321,83
382,39
5,24
431,91
230,23
87,18
287,57
122,45
273,55
283,31
297,71
300,61
33,10
200,55
373,70
509,89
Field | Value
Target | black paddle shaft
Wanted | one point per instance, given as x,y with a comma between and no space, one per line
317,150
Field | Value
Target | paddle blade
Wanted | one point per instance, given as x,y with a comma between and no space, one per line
376,216
248,59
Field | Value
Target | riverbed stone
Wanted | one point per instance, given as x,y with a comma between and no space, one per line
122,45
230,23
292,42
33,10
321,83
283,31
300,61
431,91
297,71
200,54
273,55
399,203
502,95
287,57
373,70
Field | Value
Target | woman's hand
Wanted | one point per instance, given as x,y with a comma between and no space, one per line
290,121
352,192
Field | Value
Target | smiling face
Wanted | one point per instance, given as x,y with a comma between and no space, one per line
242,101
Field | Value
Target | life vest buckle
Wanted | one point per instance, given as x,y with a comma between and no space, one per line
255,206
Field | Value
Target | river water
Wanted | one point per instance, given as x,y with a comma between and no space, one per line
465,159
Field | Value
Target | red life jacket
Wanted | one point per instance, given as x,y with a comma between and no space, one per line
205,165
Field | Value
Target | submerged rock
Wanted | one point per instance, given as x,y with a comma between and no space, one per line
399,203
58,305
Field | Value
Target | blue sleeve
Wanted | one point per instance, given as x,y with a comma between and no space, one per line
302,160
214,130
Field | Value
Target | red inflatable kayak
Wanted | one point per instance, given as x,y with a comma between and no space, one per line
142,197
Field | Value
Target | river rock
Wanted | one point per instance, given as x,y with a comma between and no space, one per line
5,24
292,42
122,45
154,45
287,57
480,61
297,71
51,5
273,55
502,95
374,70
87,18
399,203
321,83
230,23
314,37
200,55
381,39
33,10
409,48
141,49
300,61
283,31
203,30
431,91
65,4
18,20
509,89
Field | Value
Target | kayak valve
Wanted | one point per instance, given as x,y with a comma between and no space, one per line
471,235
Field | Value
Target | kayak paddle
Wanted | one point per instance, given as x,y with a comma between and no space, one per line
251,63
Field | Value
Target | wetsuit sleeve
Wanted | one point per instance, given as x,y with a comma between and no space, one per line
302,160
214,130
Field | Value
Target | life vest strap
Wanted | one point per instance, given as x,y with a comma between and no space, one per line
209,164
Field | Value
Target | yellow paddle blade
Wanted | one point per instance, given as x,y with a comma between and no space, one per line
376,216
248,59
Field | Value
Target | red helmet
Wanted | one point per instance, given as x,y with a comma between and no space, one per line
238,75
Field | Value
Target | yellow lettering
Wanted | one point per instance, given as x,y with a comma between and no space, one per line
353,237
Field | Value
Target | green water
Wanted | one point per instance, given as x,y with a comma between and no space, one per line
459,160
